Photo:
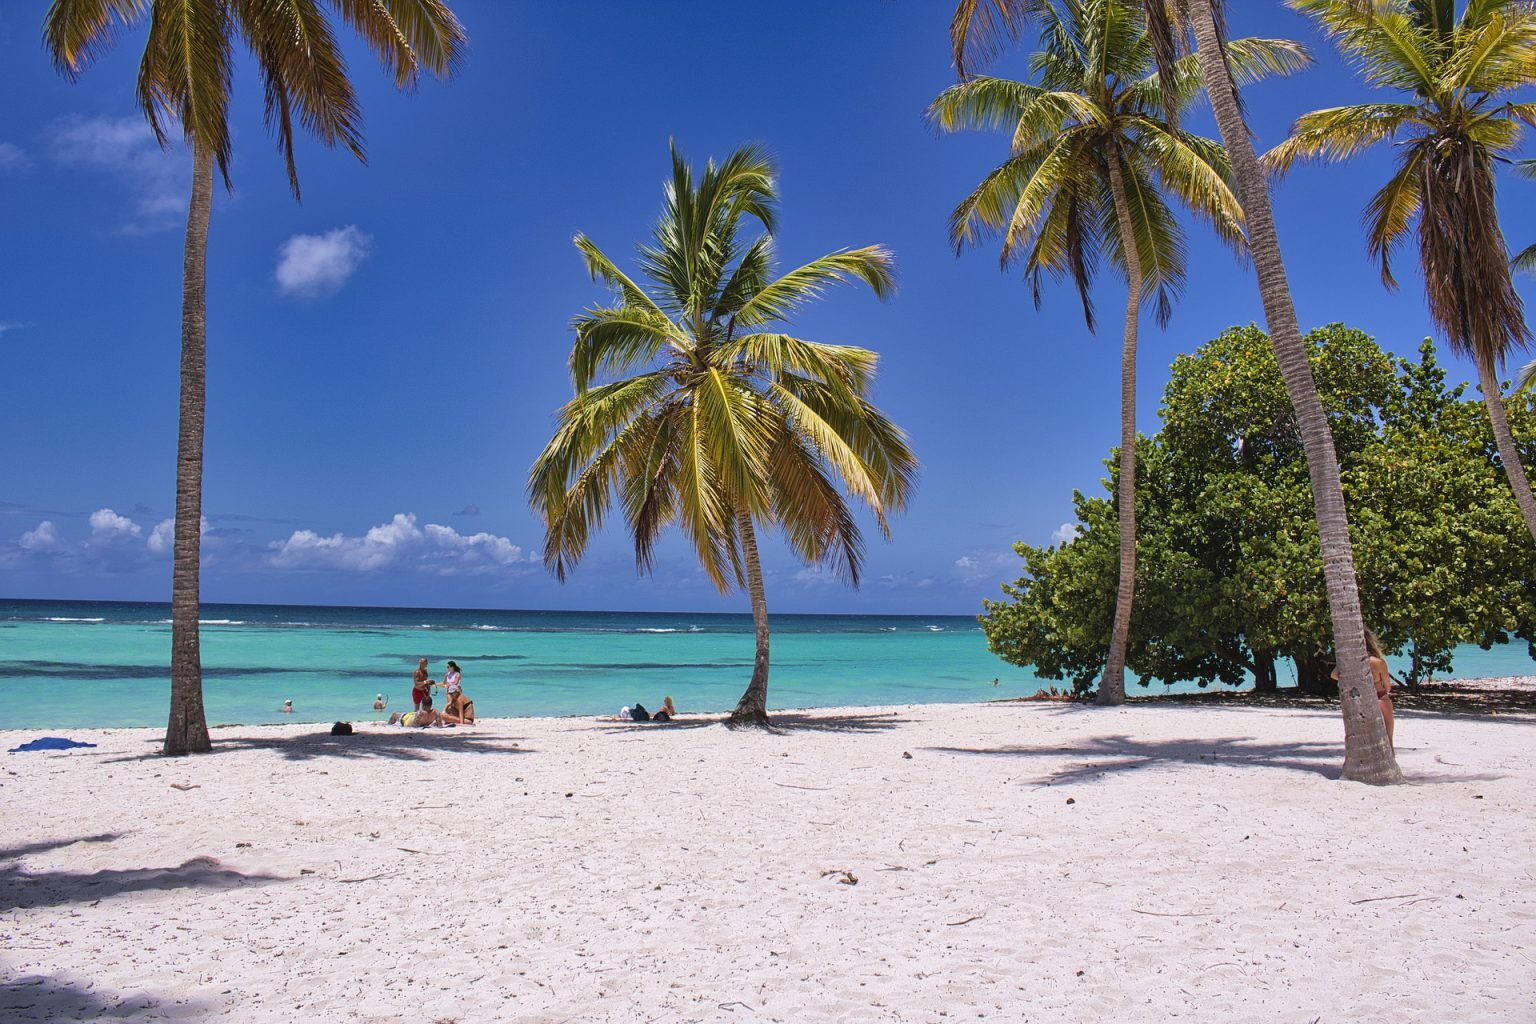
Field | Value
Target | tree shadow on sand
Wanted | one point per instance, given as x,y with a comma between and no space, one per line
27,890
778,722
43,997
1123,753
394,745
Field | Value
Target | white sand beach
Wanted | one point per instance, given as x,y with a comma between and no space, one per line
1028,862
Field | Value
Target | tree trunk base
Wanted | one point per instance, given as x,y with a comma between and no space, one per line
1388,775
1108,699
748,718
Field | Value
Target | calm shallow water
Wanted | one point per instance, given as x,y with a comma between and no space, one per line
80,664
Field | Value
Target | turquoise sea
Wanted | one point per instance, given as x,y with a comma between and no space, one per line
80,664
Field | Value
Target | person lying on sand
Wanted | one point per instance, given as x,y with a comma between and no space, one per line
423,718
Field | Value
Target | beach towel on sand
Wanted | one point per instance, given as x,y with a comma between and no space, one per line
49,743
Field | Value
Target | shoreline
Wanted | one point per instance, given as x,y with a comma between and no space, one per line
1498,694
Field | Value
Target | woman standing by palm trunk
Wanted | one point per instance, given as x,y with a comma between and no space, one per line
186,76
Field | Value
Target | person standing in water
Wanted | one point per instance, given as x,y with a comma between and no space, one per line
420,685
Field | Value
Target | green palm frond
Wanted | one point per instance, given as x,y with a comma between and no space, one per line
1452,125
1338,133
78,32
778,299
1526,379
692,409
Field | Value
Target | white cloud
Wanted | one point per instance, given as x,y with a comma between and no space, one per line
157,179
44,538
12,158
1066,533
309,266
108,525
399,544
966,562
162,537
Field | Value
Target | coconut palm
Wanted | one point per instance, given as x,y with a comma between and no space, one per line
693,407
1092,169
1173,25
185,76
1454,124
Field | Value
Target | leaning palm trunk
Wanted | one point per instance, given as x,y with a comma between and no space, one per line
1509,454
187,732
752,709
1112,685
1368,756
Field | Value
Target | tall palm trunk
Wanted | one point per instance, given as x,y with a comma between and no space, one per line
187,732
752,709
1493,398
1112,685
1368,756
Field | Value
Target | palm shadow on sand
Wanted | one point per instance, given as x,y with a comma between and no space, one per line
1123,753
392,744
43,997
27,890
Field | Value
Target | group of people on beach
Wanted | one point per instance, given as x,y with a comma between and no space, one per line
459,710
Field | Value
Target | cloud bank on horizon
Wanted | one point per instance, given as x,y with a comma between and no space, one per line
118,544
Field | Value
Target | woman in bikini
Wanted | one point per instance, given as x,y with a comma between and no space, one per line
1381,676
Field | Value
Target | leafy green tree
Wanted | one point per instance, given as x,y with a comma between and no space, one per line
1456,123
693,407
1091,173
186,76
1232,576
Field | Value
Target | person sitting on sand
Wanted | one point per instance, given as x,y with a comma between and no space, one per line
1382,677
421,686
667,713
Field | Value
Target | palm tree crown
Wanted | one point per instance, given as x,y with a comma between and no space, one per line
693,407
1450,131
187,69
1098,101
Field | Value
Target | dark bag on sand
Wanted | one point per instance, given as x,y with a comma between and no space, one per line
341,729
639,714
661,716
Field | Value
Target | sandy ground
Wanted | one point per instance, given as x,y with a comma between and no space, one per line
1027,863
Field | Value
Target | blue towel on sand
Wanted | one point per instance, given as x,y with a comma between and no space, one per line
49,743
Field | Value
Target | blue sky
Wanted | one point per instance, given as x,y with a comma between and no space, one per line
385,358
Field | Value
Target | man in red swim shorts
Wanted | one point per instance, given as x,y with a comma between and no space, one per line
421,686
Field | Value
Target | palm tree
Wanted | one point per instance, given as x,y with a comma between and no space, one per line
1449,133
185,76
1093,163
1368,755
693,407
